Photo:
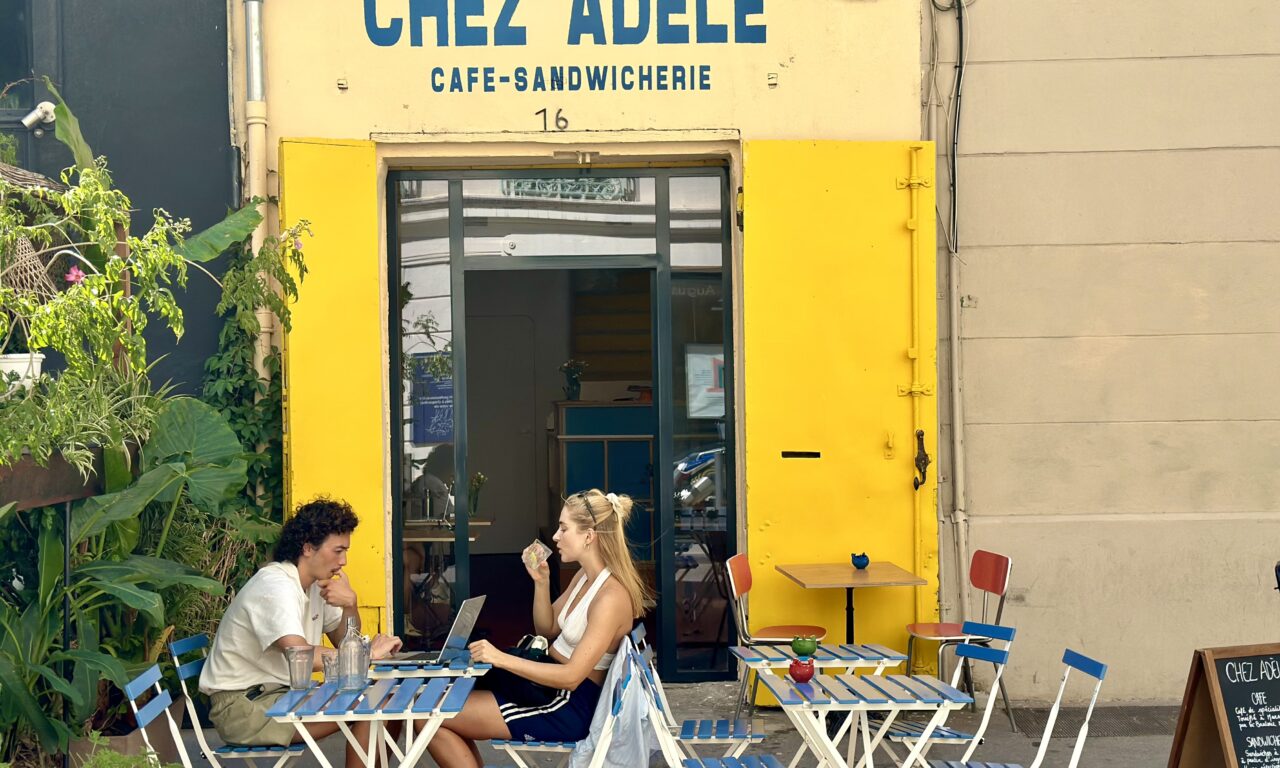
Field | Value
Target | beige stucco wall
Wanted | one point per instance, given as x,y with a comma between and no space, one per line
1119,252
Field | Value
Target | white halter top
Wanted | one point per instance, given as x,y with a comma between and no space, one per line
574,625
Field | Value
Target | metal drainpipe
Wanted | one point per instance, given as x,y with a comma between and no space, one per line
959,520
255,110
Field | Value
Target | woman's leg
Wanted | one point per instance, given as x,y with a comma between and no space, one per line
454,745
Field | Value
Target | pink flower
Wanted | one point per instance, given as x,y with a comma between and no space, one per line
297,244
75,276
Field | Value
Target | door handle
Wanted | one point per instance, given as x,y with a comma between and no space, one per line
922,461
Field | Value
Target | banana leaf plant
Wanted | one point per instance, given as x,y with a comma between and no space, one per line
115,591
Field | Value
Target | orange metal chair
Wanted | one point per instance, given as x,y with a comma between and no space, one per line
740,583
988,572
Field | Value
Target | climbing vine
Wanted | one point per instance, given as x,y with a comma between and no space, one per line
254,405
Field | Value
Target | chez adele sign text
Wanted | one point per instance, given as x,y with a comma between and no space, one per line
668,22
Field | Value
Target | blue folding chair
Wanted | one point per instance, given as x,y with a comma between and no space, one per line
976,647
196,648
146,713
519,750
1073,661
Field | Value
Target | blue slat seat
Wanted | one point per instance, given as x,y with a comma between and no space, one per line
973,764
717,731
239,749
908,730
746,761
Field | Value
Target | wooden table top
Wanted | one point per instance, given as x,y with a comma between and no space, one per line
844,575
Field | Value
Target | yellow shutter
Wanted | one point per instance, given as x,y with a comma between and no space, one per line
831,244
335,362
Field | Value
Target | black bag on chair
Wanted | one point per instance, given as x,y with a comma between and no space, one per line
519,690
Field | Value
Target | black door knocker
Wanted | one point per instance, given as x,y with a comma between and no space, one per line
922,461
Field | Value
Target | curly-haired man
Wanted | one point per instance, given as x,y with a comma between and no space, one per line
289,602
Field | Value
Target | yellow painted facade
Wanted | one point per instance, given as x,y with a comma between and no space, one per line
335,374
817,125
827,306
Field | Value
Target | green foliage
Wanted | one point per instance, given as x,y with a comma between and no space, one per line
253,405
103,756
108,285
8,149
67,129
214,241
118,580
72,414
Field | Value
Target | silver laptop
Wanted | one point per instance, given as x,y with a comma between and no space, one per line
455,644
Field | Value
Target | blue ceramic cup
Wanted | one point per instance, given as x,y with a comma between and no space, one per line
860,561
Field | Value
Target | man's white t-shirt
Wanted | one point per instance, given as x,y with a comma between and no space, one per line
270,606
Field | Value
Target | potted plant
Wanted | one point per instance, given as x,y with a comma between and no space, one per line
572,370
78,283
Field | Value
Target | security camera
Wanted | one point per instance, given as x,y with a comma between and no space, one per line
42,114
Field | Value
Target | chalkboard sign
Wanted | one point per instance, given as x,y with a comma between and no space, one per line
1231,710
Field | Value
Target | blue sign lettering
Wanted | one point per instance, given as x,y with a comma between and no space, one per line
466,34
668,32
384,36
583,20
624,35
419,10
503,32
586,18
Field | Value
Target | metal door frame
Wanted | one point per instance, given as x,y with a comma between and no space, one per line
659,266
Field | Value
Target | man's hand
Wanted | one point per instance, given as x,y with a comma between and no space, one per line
382,646
483,652
338,592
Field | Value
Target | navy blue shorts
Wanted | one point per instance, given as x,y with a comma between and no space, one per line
537,713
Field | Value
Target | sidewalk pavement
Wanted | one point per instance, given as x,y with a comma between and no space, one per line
716,700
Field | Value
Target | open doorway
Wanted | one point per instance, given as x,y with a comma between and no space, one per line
531,443
503,277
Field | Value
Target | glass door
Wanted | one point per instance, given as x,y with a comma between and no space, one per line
639,260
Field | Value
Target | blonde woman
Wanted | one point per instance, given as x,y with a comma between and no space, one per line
555,700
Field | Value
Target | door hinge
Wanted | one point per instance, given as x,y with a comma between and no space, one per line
913,182
741,209
915,390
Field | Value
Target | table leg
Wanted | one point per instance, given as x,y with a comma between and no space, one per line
313,746
848,615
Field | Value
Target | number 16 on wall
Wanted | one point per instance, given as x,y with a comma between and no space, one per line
558,123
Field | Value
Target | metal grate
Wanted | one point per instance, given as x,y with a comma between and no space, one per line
1106,721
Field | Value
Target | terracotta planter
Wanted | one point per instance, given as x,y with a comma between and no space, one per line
132,743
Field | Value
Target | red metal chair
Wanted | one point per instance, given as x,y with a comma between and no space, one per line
988,572
740,583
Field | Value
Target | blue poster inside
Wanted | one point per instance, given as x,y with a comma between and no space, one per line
432,404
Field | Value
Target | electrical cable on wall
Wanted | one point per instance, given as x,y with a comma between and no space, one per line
950,229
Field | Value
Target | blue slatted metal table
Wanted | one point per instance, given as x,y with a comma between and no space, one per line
807,705
406,699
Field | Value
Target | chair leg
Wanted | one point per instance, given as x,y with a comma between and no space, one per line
742,693
751,707
1008,708
911,647
968,685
